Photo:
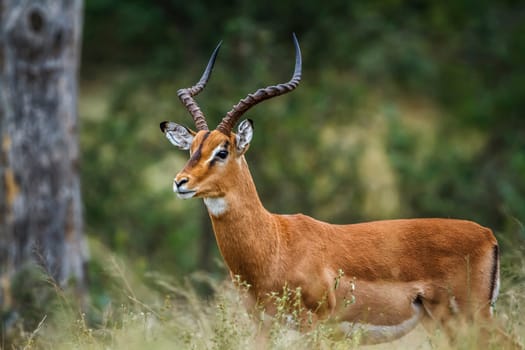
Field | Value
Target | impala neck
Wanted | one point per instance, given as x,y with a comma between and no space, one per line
246,232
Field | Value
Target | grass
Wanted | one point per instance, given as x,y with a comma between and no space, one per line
158,312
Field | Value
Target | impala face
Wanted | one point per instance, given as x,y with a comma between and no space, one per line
214,158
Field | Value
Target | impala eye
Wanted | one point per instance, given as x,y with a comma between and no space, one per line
222,154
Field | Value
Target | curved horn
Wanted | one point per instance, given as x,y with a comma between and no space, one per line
260,95
186,95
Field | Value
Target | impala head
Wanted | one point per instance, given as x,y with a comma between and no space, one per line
216,156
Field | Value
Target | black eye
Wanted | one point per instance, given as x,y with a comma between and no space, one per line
222,154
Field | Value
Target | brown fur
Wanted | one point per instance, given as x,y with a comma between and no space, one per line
390,270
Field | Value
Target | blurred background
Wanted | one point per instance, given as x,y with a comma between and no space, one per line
406,109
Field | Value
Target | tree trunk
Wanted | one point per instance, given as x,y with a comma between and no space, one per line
40,198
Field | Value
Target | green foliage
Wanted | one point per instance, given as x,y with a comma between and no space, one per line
406,109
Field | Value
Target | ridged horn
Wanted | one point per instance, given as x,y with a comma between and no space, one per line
231,118
186,95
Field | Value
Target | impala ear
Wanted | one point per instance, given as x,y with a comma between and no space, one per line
178,135
244,136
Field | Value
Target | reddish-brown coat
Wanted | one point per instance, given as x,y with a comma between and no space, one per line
417,260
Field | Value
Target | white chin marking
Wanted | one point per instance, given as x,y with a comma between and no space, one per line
216,206
185,195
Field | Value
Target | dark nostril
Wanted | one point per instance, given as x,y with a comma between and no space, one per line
181,181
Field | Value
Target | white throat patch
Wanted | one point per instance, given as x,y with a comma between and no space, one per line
216,206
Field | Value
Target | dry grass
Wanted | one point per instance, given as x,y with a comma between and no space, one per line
172,315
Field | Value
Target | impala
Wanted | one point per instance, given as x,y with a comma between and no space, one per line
396,273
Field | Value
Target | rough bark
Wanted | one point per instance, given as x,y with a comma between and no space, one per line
40,198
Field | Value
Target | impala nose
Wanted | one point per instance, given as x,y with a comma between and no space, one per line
181,189
178,182
181,182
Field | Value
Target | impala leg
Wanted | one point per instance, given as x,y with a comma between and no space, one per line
445,313
441,316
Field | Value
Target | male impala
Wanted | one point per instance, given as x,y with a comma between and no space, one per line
396,273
